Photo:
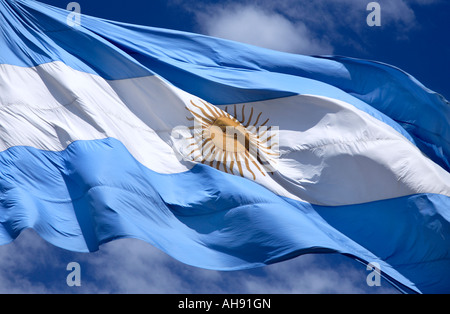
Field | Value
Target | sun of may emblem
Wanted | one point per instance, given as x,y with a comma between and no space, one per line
236,142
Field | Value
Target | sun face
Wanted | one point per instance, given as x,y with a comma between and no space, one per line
238,146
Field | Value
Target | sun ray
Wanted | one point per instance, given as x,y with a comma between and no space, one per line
266,151
264,124
249,119
211,109
221,161
264,132
225,161
257,119
201,118
256,165
272,154
219,111
208,156
198,157
247,165
207,145
203,111
252,128
205,142
268,139
259,153
264,164
218,158
194,150
230,117
232,166
238,162
214,153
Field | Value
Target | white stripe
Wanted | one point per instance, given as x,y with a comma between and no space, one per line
51,105
331,152
335,154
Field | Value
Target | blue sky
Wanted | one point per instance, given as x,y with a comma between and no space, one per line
412,36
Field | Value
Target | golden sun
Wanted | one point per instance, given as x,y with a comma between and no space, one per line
227,143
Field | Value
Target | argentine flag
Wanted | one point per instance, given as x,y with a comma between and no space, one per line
223,155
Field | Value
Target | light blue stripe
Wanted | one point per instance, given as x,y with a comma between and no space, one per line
32,33
211,219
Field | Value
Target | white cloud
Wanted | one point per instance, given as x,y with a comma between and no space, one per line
18,261
424,2
349,13
398,12
31,265
303,26
253,25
